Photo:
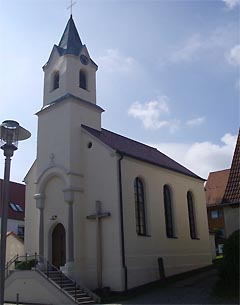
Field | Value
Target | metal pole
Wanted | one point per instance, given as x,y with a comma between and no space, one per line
8,153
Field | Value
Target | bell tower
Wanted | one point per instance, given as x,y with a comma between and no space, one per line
69,101
69,69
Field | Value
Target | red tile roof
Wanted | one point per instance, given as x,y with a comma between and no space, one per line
138,151
232,192
17,196
215,186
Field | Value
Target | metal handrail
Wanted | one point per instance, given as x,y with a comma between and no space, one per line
50,267
18,258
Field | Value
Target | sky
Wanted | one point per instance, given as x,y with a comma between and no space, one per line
168,72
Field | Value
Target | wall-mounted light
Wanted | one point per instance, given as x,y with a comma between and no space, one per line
53,217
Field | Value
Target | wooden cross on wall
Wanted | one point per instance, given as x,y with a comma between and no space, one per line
98,217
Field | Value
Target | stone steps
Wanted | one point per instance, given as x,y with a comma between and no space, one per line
67,285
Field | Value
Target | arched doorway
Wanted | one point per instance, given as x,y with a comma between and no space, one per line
59,246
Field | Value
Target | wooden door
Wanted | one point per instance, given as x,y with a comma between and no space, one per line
59,246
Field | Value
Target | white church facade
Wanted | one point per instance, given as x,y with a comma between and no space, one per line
107,210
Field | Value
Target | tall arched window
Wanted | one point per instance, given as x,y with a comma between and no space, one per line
191,216
83,79
168,211
140,207
56,80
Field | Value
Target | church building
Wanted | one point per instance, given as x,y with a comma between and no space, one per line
106,210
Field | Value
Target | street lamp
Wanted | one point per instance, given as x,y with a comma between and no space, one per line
10,133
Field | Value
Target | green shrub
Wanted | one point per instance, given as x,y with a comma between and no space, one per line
26,265
229,269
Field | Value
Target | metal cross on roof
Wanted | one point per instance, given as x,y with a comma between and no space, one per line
71,5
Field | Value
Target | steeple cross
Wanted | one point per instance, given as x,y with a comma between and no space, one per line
71,5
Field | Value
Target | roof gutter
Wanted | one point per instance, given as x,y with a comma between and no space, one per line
122,224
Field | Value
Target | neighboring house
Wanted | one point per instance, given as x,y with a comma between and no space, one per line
222,192
215,188
14,246
105,209
16,208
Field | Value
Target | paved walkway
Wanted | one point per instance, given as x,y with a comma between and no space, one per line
196,289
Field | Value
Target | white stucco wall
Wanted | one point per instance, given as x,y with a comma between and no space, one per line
69,67
212,245
232,219
179,254
33,287
14,247
31,239
101,183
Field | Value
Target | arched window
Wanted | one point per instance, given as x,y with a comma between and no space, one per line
56,80
168,211
140,207
191,216
82,79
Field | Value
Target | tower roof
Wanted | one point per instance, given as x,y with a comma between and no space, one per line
70,42
232,192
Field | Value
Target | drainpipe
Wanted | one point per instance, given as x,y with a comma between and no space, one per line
122,224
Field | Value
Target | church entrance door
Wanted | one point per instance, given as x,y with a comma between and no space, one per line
59,246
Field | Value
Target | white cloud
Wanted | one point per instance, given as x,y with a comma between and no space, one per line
202,157
233,56
214,43
155,114
196,122
188,50
114,61
150,113
231,3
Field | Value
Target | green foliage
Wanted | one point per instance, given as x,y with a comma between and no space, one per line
218,232
26,265
229,268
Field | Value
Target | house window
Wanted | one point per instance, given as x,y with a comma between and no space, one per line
16,207
140,207
83,79
215,214
168,211
191,216
55,80
21,231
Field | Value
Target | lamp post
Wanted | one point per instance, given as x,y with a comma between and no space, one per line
10,133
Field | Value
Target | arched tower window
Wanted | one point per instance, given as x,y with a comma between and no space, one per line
55,80
140,207
192,224
83,79
168,211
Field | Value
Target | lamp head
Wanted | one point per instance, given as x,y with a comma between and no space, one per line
10,133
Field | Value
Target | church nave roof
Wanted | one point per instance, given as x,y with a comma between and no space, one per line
137,150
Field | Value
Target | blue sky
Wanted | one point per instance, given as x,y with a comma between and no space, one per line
168,72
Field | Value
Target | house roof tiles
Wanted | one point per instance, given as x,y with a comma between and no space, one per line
215,186
17,197
232,192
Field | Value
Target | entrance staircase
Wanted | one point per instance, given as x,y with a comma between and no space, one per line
78,294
